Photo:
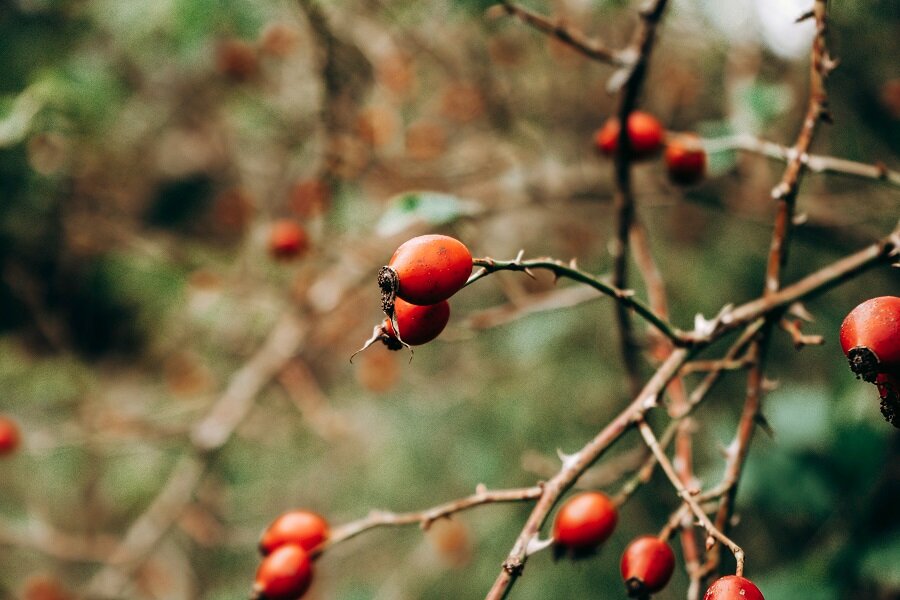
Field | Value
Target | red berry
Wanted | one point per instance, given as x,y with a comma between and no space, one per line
418,324
685,160
585,520
285,574
301,527
870,337
647,566
645,134
732,587
287,239
9,436
427,269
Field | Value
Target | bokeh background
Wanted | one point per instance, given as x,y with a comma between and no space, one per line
146,148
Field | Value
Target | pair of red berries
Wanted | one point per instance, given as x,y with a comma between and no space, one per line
870,338
587,520
685,157
286,569
9,436
422,275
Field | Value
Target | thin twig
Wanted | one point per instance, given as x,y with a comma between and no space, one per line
625,298
688,497
814,162
785,194
589,47
424,518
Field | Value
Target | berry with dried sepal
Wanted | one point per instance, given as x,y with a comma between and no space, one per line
647,565
285,574
417,324
425,270
870,337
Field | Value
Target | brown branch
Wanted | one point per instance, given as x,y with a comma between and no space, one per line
424,518
589,47
55,543
785,193
688,497
207,436
626,221
815,163
751,314
800,339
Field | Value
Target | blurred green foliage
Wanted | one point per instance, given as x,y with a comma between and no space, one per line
145,148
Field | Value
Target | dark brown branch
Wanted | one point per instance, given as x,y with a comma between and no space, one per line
626,221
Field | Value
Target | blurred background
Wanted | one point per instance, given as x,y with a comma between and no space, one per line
177,385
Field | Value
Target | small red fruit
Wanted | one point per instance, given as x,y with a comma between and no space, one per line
285,574
585,521
9,436
685,160
645,134
870,337
426,270
418,324
647,565
301,527
732,587
287,239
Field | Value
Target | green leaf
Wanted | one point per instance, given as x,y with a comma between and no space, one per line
432,208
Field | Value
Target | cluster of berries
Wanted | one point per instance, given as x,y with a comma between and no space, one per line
685,157
588,519
421,276
286,569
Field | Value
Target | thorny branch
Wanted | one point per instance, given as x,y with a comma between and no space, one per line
625,298
785,194
687,496
815,163
750,313
627,225
424,518
592,48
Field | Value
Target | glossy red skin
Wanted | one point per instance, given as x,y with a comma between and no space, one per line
418,324
285,574
301,527
732,587
9,436
585,520
431,268
645,133
685,160
650,560
287,239
875,324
